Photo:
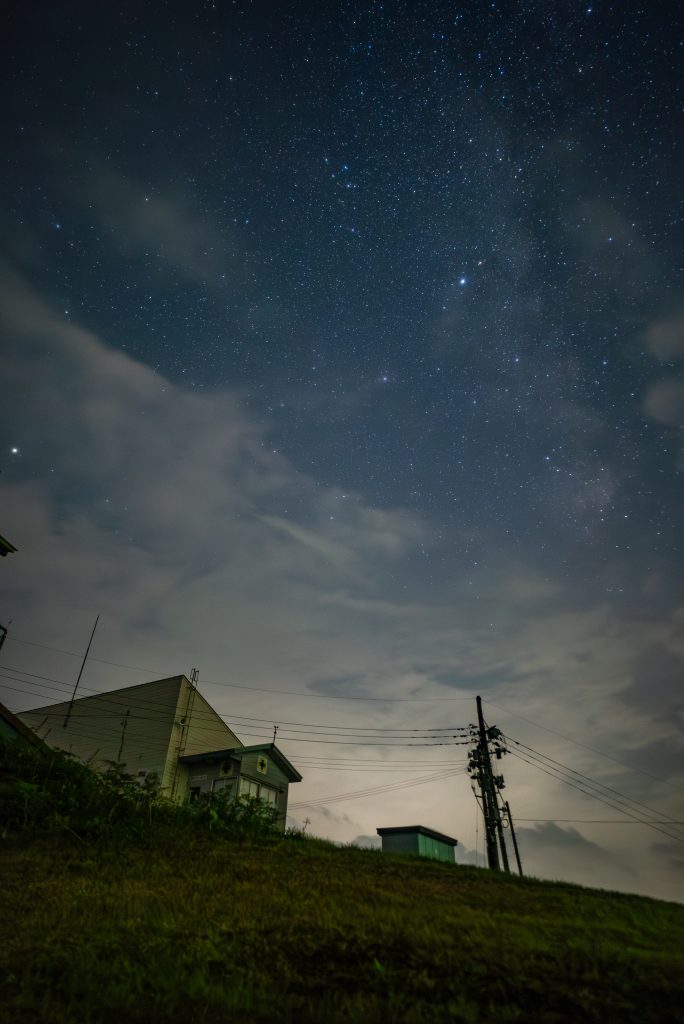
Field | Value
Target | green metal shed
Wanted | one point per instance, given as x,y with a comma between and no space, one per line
419,841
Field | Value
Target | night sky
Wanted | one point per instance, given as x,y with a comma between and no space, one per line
342,358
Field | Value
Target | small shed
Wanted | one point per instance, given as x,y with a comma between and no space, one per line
418,840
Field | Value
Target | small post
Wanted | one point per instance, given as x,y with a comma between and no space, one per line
124,726
513,837
85,658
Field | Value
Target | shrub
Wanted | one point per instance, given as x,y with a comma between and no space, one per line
44,790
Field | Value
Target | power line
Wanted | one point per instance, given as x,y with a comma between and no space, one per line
255,689
592,782
596,821
577,743
361,741
375,790
555,774
147,703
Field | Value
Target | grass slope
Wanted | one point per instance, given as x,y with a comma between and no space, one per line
195,928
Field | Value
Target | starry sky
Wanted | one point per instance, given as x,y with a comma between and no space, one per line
342,358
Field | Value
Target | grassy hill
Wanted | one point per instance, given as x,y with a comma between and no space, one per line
179,925
296,930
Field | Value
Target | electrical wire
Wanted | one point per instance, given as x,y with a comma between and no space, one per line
593,821
594,750
573,785
147,704
592,782
255,689
362,741
375,790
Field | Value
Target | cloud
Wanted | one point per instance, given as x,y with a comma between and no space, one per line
367,842
162,227
665,337
672,856
549,851
168,509
664,401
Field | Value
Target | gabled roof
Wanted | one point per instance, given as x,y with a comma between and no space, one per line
6,548
237,754
12,725
412,829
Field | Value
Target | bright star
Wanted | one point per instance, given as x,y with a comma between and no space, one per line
461,281
15,451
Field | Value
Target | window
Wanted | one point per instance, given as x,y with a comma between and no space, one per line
219,784
250,788
270,796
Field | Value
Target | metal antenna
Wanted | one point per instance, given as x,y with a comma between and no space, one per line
85,658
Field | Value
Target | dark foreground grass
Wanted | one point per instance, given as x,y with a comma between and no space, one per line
195,929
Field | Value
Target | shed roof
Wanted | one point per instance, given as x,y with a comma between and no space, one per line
238,752
410,829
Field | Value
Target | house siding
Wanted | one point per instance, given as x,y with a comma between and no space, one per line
95,727
162,723
201,729
166,719
274,777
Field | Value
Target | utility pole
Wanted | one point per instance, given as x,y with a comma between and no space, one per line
3,634
484,777
85,658
275,733
491,740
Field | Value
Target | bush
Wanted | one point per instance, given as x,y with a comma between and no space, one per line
46,791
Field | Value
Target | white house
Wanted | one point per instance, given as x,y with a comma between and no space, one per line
166,727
